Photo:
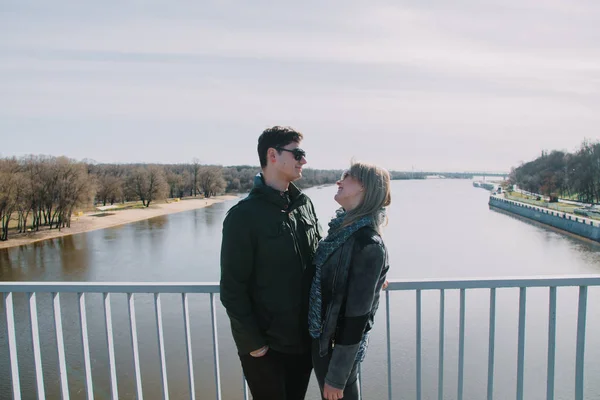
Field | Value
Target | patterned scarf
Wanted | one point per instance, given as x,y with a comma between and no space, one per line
336,236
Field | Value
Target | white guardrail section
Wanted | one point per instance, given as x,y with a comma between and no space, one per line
418,286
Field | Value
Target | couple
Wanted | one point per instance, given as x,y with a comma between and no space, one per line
297,302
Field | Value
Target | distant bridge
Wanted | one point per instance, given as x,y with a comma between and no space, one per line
453,175
467,173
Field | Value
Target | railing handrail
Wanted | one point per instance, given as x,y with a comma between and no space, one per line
213,287
494,282
110,287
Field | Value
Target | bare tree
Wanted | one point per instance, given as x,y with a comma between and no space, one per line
24,200
48,176
187,184
109,188
31,168
195,177
176,184
148,184
211,180
8,194
75,189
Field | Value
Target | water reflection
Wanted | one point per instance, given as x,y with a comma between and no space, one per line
586,248
196,220
213,215
112,233
74,256
156,223
6,266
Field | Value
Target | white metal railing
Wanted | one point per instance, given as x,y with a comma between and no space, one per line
32,288
56,288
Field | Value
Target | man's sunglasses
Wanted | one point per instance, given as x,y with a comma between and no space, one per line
297,152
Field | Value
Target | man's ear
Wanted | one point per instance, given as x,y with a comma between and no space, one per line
271,155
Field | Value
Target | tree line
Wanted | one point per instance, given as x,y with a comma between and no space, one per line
562,174
38,191
44,191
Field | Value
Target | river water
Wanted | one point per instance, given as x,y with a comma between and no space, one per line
437,229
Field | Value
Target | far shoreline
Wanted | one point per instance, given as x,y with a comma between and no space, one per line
92,221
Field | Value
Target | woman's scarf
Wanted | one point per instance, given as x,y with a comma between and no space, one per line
336,237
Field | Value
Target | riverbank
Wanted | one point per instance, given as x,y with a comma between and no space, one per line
106,219
571,223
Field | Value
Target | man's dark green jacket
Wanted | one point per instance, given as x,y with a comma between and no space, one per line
269,239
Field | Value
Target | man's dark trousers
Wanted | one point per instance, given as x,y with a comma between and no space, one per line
277,376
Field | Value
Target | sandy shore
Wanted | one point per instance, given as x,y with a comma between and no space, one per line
88,222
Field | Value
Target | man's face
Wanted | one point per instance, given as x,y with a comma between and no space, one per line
289,160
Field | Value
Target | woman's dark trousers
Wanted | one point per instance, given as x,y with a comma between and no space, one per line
321,365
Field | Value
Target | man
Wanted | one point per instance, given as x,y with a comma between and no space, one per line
269,239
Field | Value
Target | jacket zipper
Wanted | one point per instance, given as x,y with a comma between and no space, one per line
335,274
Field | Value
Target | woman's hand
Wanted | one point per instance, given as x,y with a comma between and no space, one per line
331,393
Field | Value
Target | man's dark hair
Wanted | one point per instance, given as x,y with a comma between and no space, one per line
277,136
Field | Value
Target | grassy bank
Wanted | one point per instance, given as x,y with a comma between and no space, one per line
562,207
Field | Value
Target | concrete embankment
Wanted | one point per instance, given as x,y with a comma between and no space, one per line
584,227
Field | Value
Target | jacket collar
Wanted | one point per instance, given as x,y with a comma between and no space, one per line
261,189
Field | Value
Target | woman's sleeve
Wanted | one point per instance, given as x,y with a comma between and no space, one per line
365,278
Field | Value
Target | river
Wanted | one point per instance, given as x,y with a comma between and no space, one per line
437,229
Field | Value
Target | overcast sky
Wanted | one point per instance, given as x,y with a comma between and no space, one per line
423,84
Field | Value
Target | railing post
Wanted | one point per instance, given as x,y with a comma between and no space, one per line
418,349
521,343
245,386
551,344
213,315
492,340
35,338
461,344
360,381
161,345
12,345
389,344
579,360
188,344
441,348
111,347
134,345
60,343
85,345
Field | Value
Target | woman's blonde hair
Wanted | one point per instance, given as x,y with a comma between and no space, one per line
376,183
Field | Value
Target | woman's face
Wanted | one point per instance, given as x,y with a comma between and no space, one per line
350,192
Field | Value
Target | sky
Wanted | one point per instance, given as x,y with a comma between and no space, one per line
429,85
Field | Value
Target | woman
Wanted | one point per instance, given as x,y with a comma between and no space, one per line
350,268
